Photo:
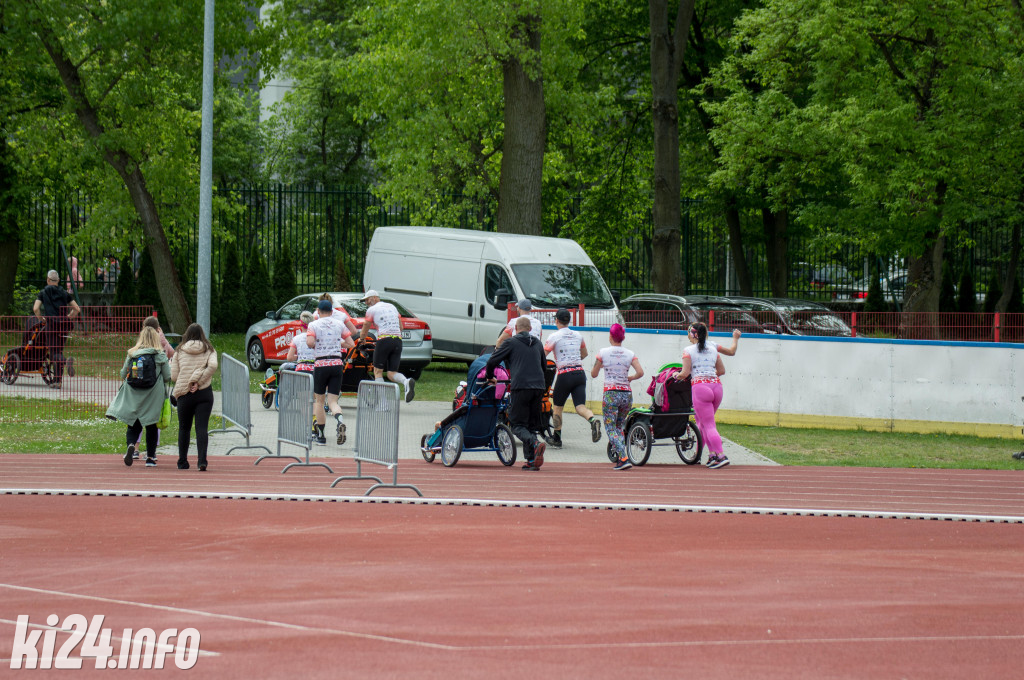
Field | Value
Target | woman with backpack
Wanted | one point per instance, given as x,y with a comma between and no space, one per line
192,369
141,398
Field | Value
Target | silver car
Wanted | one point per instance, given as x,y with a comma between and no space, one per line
267,341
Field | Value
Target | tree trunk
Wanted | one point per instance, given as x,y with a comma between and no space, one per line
668,45
522,158
1011,270
739,259
920,317
174,304
776,243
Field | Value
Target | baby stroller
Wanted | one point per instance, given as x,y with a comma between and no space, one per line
670,417
358,367
478,424
32,356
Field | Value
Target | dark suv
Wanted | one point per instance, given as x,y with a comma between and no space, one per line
677,312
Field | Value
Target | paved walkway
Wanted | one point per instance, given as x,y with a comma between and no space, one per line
418,418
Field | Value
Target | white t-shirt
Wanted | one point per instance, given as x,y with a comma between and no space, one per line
536,328
385,316
328,331
302,351
566,344
616,362
702,364
338,312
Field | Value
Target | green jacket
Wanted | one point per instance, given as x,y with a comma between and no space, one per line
131,404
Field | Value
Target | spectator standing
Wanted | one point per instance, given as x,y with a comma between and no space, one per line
73,275
523,309
387,353
140,407
59,308
523,356
569,350
701,361
192,369
618,394
328,337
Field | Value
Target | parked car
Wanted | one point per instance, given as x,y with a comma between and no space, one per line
677,312
790,316
267,340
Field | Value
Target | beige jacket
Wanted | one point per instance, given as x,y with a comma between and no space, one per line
192,364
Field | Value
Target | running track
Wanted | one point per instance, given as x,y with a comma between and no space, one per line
501,573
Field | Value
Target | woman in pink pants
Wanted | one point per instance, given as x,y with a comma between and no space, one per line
702,361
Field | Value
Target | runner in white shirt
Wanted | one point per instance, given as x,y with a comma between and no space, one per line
301,354
387,353
328,338
523,307
618,394
569,350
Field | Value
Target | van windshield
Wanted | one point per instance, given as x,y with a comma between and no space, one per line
558,285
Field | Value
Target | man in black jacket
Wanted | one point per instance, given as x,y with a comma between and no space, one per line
523,355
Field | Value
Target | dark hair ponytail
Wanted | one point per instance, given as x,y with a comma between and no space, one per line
702,335
195,332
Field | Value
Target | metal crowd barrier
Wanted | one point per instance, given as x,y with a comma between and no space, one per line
234,401
377,406
294,417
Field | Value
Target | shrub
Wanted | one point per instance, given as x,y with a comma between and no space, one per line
259,296
284,278
230,312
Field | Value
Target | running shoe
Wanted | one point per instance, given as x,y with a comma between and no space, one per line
202,467
319,439
182,464
554,440
528,465
538,454
341,431
718,462
595,429
623,464
410,390
130,455
150,461
1019,455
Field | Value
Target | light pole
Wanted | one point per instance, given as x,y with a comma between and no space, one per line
203,276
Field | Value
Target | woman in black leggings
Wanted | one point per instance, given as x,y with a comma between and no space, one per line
192,369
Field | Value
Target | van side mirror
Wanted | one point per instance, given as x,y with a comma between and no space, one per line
502,297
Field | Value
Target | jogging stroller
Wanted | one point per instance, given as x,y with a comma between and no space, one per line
477,424
32,356
670,416
358,367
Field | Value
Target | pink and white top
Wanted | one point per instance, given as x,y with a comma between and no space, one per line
305,355
616,362
387,319
566,344
536,328
328,333
702,364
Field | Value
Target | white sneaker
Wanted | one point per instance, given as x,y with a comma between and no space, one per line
410,389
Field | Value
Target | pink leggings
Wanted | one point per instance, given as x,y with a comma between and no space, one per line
707,397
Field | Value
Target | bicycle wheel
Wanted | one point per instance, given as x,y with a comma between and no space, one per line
691,444
47,370
428,454
638,443
11,369
505,445
451,446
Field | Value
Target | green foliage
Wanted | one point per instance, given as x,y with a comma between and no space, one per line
185,278
125,291
231,308
1016,303
341,278
994,292
965,297
259,293
146,285
947,294
875,301
283,283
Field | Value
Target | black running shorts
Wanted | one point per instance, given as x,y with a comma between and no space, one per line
387,353
571,382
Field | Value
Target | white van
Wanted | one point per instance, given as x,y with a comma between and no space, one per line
460,281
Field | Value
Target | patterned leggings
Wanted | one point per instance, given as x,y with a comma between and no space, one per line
615,407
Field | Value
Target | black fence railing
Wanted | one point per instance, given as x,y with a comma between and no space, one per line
318,223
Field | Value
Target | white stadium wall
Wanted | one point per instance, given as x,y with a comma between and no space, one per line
890,385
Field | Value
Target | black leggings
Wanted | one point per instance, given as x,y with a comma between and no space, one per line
197,405
152,436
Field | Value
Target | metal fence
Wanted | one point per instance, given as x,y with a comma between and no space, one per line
318,223
295,417
234,402
377,406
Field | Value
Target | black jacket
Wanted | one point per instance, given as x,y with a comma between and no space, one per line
523,355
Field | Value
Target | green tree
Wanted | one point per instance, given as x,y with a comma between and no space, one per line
875,301
341,281
283,283
146,285
259,293
1016,301
231,306
125,292
993,294
966,303
947,296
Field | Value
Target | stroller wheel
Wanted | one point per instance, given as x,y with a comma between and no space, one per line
428,455
690,445
268,399
11,368
451,446
611,454
638,442
47,371
505,445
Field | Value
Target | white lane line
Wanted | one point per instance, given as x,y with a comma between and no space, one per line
229,617
525,503
752,643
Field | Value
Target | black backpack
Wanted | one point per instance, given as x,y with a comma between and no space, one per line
142,372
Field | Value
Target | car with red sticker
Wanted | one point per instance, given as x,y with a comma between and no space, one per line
267,340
